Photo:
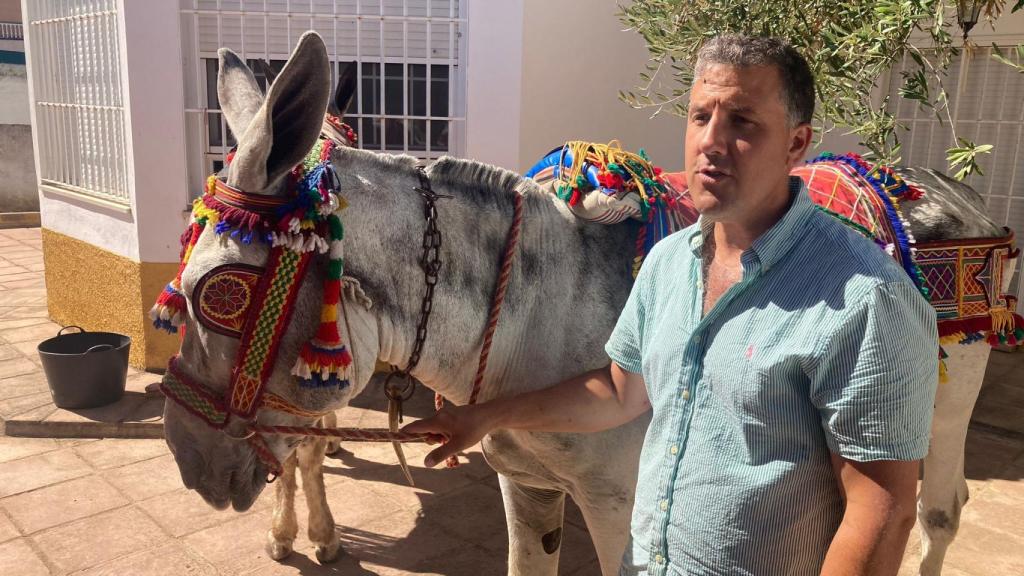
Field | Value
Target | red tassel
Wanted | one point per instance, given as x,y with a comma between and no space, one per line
993,339
328,333
575,199
332,291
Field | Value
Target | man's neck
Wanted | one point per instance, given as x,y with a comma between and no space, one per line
733,237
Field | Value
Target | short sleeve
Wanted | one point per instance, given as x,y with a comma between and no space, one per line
624,346
876,375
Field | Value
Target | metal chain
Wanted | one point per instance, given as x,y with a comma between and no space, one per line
430,262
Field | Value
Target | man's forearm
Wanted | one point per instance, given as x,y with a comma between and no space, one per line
594,401
869,542
590,402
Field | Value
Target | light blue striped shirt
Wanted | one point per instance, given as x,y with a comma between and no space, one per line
824,345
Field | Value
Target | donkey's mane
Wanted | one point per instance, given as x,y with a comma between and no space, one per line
484,185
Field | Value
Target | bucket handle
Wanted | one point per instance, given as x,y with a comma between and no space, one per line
61,332
99,347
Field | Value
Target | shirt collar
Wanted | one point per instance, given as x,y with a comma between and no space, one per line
777,241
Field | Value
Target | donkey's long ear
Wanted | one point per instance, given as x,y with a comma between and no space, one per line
288,123
239,95
345,91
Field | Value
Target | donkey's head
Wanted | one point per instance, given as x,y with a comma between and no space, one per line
275,133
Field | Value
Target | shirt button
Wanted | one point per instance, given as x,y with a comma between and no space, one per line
659,559
674,449
686,394
664,505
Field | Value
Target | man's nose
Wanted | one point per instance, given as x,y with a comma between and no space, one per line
713,138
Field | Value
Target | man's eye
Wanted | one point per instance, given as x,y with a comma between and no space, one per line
699,118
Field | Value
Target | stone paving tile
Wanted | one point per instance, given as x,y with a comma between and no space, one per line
118,452
146,479
984,551
170,560
182,512
91,541
36,333
21,322
17,367
61,503
235,546
23,404
475,514
9,352
17,448
33,283
40,470
10,269
29,350
18,558
401,540
988,455
23,312
8,530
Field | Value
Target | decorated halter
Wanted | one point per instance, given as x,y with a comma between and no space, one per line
256,304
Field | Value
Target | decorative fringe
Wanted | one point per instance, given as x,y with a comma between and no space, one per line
169,312
171,308
889,187
324,360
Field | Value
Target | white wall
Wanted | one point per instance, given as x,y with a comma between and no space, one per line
14,108
494,72
151,79
524,97
576,58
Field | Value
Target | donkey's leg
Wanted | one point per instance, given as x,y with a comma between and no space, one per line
534,518
607,514
330,420
321,522
284,526
944,489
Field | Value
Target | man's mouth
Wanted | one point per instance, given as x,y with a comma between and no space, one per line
711,174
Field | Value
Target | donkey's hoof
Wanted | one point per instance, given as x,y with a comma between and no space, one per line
332,448
329,553
278,549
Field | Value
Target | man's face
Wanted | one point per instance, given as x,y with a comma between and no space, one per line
739,142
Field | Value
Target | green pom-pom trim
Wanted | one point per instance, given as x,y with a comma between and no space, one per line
335,268
337,232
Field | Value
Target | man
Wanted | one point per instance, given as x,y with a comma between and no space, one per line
790,364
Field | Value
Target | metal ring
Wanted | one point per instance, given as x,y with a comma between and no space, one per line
403,394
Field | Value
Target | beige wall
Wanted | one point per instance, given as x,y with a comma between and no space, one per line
575,59
10,10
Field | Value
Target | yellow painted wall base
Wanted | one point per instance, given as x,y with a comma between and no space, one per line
101,291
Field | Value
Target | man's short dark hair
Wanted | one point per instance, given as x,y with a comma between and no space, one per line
744,51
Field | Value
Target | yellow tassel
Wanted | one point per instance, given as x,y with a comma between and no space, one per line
329,313
943,376
1002,320
951,339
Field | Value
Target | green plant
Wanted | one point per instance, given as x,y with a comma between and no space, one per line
849,45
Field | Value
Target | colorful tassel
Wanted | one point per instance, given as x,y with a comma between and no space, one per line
324,360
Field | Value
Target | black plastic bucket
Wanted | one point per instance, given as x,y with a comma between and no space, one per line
85,369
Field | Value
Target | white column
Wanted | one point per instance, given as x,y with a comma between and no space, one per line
154,106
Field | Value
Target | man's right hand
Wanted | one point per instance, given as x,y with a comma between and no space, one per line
456,428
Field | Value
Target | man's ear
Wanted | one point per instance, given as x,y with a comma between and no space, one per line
799,142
